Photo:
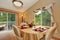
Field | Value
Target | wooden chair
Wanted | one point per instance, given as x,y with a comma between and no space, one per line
17,33
50,32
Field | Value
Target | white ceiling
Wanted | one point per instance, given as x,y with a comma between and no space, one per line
8,5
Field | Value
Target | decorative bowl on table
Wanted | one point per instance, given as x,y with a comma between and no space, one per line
40,29
24,27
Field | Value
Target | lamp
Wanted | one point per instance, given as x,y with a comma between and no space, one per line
17,3
22,17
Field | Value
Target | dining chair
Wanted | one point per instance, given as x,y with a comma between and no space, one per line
17,33
50,33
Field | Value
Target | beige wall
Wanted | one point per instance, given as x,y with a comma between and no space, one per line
57,13
30,14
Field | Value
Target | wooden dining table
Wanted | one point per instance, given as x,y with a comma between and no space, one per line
30,34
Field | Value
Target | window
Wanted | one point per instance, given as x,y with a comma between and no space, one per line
43,18
7,19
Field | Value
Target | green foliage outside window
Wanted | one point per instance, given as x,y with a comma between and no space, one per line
38,19
4,16
11,17
44,18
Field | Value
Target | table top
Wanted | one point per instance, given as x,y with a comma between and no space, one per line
31,31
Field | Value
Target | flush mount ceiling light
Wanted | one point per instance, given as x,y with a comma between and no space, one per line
17,3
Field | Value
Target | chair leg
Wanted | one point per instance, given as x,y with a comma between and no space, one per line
43,38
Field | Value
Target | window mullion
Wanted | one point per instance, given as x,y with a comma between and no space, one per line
7,21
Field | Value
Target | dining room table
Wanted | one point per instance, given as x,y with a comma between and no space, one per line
31,34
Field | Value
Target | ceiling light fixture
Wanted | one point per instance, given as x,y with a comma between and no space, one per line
17,3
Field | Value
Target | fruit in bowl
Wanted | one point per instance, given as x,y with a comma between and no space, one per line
35,29
40,30
22,27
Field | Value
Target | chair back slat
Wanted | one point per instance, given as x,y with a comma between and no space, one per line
50,32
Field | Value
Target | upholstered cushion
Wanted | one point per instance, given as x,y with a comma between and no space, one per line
7,35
